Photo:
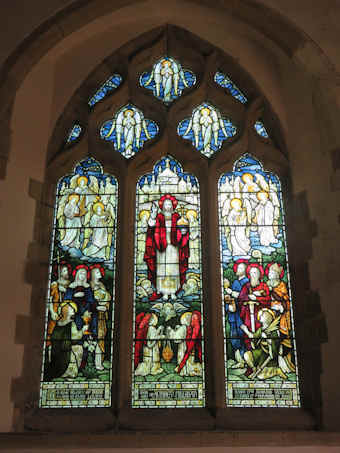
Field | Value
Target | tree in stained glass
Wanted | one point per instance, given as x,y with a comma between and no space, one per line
224,81
80,302
128,130
168,358
111,84
74,134
260,129
260,357
167,79
206,129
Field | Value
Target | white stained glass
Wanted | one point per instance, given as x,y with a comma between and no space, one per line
260,352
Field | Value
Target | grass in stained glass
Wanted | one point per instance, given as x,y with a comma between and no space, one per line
260,352
128,130
167,79
168,357
74,134
80,302
260,129
207,129
110,85
224,81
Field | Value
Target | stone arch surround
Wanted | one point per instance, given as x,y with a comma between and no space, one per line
53,87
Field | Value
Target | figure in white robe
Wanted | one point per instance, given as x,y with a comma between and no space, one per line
194,257
151,363
265,219
97,229
71,222
238,229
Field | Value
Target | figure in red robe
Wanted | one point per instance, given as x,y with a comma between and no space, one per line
167,249
193,344
253,296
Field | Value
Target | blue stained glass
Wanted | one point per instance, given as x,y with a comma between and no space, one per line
206,129
111,84
74,133
128,130
224,81
260,129
260,352
167,79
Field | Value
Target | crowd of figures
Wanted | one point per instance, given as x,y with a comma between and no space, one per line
258,317
78,322
86,216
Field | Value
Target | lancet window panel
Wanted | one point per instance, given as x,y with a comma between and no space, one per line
77,365
168,355
260,352
104,90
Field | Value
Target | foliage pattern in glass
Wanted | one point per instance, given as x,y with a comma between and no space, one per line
168,357
260,358
260,129
111,84
167,79
224,81
74,134
80,302
128,130
206,129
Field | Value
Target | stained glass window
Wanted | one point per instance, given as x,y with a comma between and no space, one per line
111,84
224,81
80,301
168,357
206,129
74,134
260,358
128,130
167,79
260,129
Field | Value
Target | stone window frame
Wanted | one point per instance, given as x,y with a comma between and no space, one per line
130,61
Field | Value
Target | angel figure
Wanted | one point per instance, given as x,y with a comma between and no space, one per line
128,124
265,212
142,226
250,188
166,75
98,223
194,244
86,187
237,231
205,123
69,215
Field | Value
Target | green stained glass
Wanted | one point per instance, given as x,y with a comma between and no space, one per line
168,356
77,366
260,353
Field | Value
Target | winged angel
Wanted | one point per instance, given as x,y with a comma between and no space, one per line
205,124
128,124
165,76
249,203
84,204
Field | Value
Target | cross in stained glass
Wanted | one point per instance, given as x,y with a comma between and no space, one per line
167,79
128,130
206,129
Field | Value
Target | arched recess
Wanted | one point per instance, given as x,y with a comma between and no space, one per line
296,207
133,59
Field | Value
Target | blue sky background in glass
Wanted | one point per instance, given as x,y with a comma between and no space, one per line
224,81
111,84
166,86
260,129
74,133
128,141
206,144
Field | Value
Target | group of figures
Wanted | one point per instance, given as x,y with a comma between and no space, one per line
77,321
168,306
259,333
86,216
80,302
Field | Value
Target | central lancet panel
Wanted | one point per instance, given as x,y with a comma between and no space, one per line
168,368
